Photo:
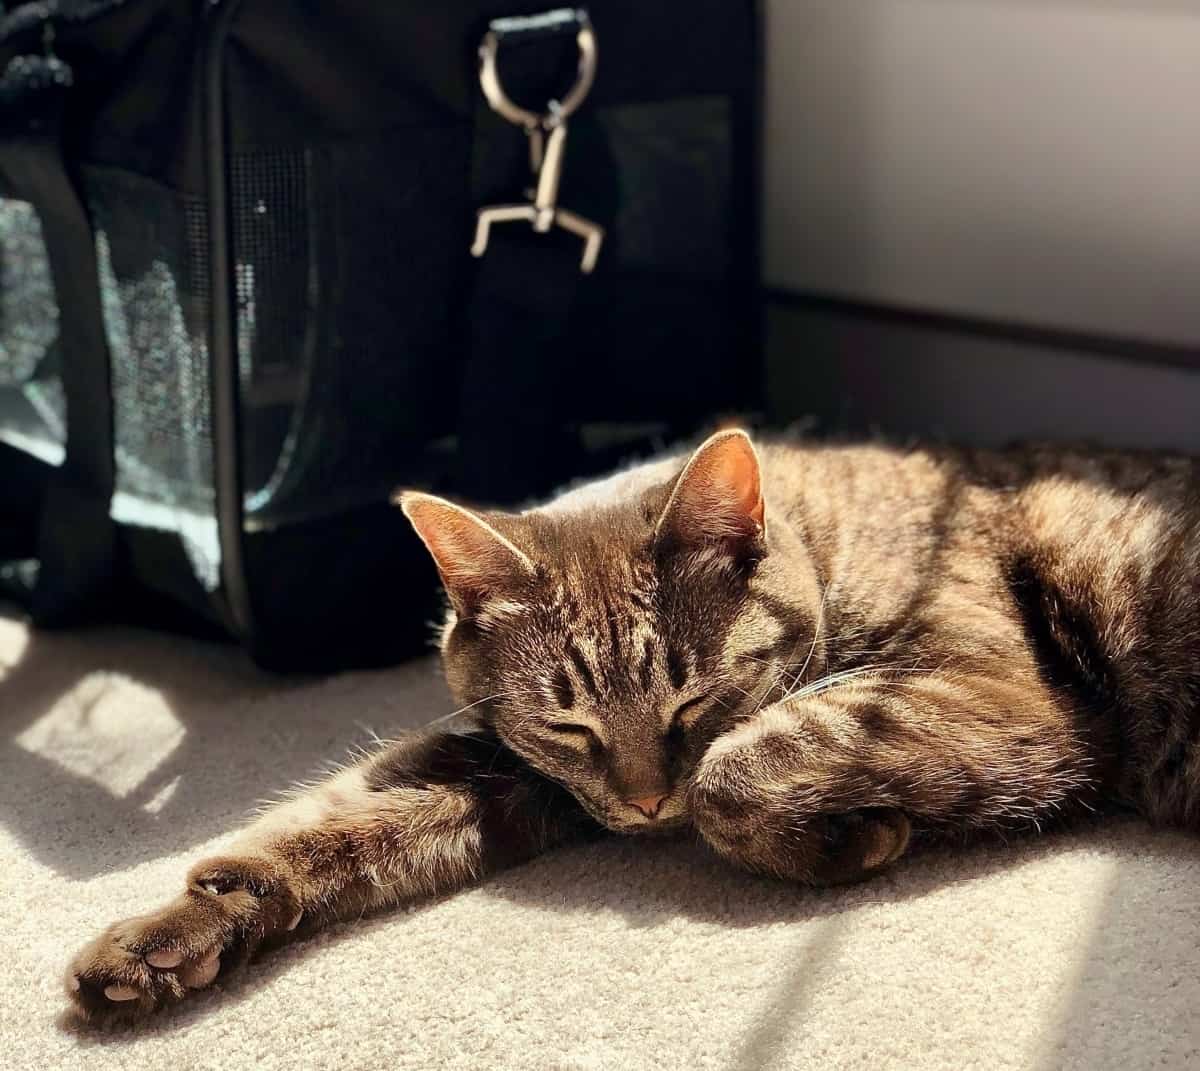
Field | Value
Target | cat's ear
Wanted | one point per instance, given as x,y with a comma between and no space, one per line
718,497
474,560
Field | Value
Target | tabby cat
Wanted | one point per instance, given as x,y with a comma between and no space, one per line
816,657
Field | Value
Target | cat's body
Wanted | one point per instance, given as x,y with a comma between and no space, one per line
812,663
1072,573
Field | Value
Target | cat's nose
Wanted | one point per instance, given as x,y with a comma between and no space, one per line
649,805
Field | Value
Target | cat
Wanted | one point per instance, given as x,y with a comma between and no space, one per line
816,657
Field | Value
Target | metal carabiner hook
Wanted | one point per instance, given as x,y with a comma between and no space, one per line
493,89
547,135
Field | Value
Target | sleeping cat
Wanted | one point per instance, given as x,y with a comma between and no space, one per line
816,657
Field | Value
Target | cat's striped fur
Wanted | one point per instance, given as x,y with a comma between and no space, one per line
815,657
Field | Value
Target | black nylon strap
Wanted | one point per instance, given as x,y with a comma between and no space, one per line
513,441
77,539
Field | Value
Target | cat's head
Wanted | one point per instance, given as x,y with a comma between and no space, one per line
610,641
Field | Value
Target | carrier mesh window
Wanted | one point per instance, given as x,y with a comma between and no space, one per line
346,320
276,297
32,406
151,256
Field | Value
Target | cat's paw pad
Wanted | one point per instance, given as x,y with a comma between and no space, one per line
143,963
140,964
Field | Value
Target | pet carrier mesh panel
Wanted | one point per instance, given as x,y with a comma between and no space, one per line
338,392
151,257
32,410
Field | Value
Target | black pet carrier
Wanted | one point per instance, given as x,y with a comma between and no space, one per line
263,262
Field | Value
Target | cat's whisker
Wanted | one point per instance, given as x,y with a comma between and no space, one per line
879,670
816,631
462,710
736,687
771,683
793,686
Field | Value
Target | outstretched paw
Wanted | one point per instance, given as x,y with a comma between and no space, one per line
229,908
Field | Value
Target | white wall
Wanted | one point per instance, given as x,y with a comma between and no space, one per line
860,376
1034,161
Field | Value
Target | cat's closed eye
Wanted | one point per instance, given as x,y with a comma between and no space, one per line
576,733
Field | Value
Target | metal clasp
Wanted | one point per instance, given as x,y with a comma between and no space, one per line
547,135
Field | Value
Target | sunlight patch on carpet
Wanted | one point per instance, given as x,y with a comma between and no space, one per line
163,796
109,730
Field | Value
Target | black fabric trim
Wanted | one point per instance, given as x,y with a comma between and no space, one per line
77,538
222,337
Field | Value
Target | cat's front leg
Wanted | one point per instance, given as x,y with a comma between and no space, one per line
773,797
423,816
830,788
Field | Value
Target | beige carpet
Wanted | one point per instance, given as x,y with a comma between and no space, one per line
124,755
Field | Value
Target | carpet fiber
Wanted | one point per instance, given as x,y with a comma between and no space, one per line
125,755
